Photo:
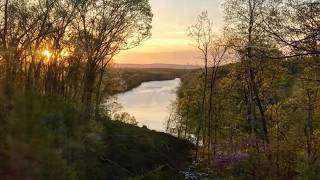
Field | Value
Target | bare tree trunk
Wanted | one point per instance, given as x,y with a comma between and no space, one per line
98,92
90,78
251,105
7,55
253,94
278,143
263,119
249,71
4,106
187,120
212,84
203,117
309,126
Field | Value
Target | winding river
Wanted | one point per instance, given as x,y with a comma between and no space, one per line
150,102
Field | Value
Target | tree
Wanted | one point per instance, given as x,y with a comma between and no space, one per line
218,53
105,27
245,17
202,34
294,24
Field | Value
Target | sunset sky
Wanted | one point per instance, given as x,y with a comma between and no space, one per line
169,42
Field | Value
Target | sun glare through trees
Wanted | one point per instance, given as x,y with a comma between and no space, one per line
159,89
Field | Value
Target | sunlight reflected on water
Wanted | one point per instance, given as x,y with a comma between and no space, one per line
150,102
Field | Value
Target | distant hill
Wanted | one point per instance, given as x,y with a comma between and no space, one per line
156,66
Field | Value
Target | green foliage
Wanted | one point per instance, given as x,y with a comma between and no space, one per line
291,101
125,118
37,130
48,138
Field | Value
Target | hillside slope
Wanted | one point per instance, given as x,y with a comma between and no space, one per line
139,150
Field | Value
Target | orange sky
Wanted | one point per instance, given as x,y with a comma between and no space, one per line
169,42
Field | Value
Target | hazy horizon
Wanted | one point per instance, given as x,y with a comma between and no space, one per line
169,43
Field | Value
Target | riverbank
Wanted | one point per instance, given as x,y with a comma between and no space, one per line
135,77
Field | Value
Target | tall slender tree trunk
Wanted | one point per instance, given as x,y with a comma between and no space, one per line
263,118
212,84
203,117
87,97
7,55
249,71
251,109
98,93
186,133
4,105
309,132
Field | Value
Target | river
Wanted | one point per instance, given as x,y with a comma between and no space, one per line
150,102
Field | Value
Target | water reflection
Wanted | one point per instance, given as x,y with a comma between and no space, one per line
149,103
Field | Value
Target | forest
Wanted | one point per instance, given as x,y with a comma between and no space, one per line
56,72
251,111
